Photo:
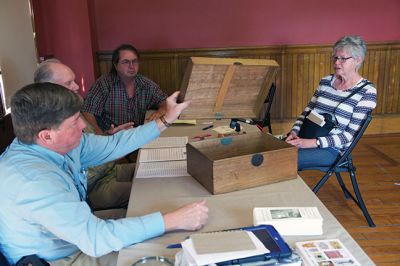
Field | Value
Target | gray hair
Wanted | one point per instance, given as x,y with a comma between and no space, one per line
355,45
43,72
40,106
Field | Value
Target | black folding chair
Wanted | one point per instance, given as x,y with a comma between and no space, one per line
31,260
6,132
345,164
3,260
266,116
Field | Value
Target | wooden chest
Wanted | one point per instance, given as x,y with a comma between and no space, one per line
239,162
233,88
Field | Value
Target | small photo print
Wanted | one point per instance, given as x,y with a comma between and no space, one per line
309,245
285,213
334,254
323,245
326,263
345,262
335,245
319,256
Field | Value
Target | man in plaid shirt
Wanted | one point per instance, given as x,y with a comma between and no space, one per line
123,95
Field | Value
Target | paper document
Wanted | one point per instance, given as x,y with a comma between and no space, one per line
203,259
290,220
166,142
222,242
163,157
165,154
187,122
224,130
161,169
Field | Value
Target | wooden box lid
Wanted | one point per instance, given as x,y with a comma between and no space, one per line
226,87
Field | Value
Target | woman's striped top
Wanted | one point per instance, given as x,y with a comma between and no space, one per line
349,114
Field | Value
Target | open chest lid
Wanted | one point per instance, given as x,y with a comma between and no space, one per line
226,87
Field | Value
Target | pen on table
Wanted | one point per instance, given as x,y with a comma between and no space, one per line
178,245
208,127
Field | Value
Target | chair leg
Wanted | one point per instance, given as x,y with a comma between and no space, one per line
360,202
342,185
322,181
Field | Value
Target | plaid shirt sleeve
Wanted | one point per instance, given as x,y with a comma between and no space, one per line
96,97
156,95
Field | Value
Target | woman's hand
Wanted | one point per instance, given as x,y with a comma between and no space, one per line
303,143
292,135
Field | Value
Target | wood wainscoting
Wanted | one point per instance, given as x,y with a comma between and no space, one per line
301,68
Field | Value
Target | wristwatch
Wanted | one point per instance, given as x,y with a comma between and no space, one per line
318,143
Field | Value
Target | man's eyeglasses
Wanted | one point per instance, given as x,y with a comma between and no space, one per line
341,59
127,62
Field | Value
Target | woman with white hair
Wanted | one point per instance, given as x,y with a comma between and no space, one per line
346,96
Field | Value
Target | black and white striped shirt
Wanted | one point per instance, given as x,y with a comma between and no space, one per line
349,114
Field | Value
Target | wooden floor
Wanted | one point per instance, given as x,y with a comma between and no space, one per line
377,158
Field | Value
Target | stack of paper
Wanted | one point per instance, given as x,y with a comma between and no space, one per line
163,157
207,248
161,169
166,142
325,252
290,220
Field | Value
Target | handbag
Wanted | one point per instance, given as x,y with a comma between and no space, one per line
311,130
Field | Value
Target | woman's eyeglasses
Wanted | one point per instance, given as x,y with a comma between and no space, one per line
341,59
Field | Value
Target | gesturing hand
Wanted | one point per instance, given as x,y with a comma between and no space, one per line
112,130
190,217
174,109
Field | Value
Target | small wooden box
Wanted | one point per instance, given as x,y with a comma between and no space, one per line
233,88
242,161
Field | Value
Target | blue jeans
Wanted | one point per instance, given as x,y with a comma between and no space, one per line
316,157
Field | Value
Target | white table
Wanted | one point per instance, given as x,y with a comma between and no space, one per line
230,210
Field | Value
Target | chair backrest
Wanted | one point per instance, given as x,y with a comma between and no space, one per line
270,96
265,114
357,137
6,132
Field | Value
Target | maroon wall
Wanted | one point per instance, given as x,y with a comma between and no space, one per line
63,29
160,24
73,30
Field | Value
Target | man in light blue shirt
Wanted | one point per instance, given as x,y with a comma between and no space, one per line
108,185
43,184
